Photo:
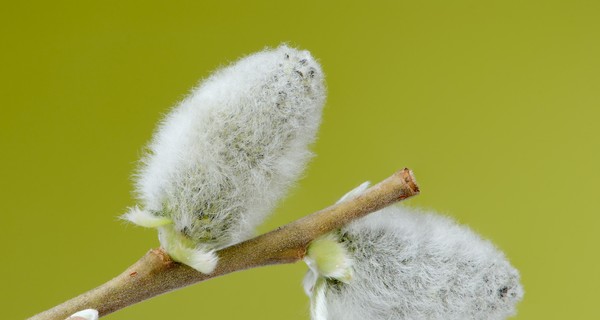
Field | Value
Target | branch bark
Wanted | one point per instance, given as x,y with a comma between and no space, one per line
156,273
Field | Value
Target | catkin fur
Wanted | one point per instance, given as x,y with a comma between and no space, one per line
409,264
224,156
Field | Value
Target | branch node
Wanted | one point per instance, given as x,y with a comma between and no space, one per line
161,255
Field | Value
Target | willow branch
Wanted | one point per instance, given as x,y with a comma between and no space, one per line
156,273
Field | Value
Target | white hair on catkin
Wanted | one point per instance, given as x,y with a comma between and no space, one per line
223,157
409,264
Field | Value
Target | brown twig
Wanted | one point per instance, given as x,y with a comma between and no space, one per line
155,273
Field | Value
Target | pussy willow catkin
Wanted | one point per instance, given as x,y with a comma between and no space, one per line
401,263
224,156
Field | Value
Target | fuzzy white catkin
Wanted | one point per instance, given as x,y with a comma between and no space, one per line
87,314
224,156
408,264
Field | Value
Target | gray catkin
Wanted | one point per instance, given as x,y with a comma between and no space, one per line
409,264
224,156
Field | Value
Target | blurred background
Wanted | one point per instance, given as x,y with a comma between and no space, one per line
493,104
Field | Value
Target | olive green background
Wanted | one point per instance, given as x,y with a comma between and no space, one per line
493,104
